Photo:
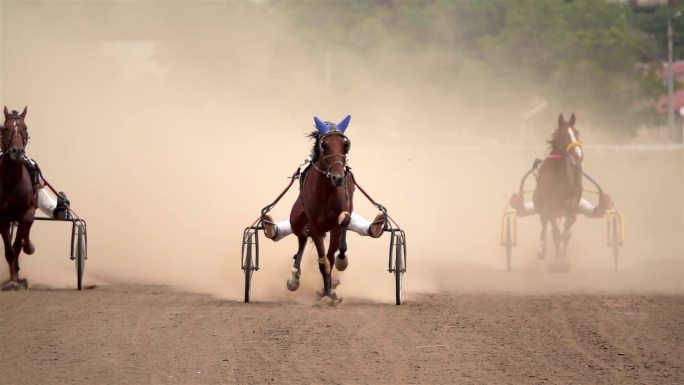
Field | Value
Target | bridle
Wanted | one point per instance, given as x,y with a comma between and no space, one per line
325,158
574,146
8,133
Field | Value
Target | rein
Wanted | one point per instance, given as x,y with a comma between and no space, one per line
268,207
376,204
327,172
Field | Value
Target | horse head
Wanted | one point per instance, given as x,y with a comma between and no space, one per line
565,140
14,134
332,148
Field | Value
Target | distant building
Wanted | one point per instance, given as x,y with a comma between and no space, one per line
678,72
650,5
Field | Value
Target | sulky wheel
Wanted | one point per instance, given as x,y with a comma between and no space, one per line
248,267
508,241
399,267
81,255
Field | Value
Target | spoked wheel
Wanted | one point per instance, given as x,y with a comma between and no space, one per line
79,249
81,255
248,266
508,241
399,265
248,277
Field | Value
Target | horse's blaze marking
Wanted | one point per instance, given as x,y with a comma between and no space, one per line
575,145
15,132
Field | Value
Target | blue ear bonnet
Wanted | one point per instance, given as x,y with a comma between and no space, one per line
324,127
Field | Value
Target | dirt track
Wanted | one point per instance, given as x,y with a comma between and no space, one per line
125,334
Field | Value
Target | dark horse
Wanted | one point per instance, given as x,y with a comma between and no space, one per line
325,202
18,198
559,185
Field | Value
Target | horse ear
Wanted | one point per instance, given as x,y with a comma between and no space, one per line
561,120
23,113
320,126
6,111
343,124
572,120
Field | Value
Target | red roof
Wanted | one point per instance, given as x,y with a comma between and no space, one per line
661,107
677,69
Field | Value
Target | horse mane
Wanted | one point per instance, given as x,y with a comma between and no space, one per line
316,136
553,142
315,151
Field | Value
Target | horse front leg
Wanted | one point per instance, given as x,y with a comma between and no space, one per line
13,283
541,251
341,262
335,238
293,281
567,234
324,265
23,231
555,232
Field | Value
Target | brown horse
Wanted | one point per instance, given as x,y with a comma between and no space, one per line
325,202
559,185
18,198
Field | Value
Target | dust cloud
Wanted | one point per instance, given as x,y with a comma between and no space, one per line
171,124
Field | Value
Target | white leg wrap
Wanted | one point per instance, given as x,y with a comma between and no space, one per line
585,207
529,207
284,229
46,202
359,224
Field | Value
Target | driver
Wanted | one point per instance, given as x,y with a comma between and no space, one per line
523,208
53,207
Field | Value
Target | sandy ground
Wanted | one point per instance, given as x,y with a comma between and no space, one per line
130,334
169,133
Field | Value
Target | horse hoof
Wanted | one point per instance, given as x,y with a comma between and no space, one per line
292,286
341,263
23,282
29,248
11,286
293,281
330,301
